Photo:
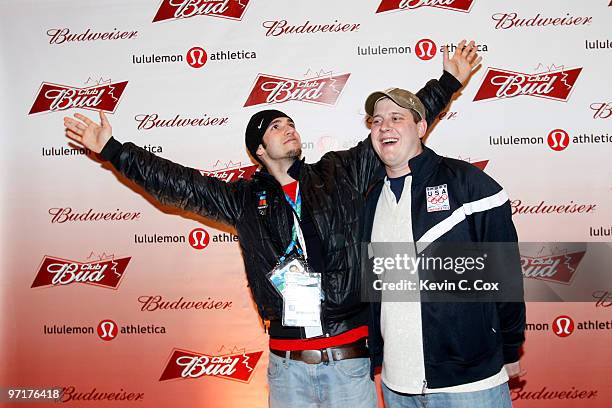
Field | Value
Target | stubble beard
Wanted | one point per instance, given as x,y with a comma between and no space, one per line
295,153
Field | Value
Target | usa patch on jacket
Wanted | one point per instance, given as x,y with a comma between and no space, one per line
437,198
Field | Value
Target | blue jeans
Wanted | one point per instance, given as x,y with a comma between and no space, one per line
344,384
496,397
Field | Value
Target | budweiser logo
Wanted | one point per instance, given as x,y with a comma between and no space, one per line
502,84
176,9
544,207
323,90
53,97
230,171
238,366
603,297
456,5
507,21
63,214
56,271
602,110
560,267
544,393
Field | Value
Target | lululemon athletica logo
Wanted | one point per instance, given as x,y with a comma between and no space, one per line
107,330
563,326
196,57
199,238
425,49
558,140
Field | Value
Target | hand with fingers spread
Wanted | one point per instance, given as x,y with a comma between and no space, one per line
463,62
88,133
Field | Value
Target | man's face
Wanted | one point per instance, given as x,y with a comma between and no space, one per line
281,140
395,136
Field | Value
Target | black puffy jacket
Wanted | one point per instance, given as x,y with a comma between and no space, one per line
333,190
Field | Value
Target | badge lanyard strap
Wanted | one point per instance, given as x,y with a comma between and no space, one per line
297,236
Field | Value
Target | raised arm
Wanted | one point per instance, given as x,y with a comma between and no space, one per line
168,182
436,95
361,163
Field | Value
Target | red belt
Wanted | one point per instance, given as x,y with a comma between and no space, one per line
357,349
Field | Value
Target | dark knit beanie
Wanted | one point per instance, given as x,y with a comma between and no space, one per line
253,136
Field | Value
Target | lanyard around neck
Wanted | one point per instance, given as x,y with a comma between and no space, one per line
297,236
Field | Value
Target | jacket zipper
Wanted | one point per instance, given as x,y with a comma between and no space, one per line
323,284
276,185
323,325
415,254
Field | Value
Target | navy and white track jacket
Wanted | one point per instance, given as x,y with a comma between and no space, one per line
462,342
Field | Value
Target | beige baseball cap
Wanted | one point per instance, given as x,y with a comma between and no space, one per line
402,97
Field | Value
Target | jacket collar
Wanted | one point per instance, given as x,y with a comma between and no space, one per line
421,166
294,171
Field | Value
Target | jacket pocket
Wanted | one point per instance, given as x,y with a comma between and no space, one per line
459,332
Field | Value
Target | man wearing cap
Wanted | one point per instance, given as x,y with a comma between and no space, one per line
437,354
299,231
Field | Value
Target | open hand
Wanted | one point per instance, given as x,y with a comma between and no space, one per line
463,62
88,133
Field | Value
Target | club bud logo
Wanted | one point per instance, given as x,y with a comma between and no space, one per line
323,89
237,366
501,84
54,97
456,5
105,273
107,330
178,9
563,326
199,238
425,49
558,140
560,266
231,171
481,164
196,57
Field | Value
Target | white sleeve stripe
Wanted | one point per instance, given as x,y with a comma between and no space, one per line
459,215
486,203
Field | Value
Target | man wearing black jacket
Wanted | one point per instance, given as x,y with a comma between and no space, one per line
289,208
438,354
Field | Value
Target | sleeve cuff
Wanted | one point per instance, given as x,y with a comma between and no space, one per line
449,82
375,362
111,149
511,354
